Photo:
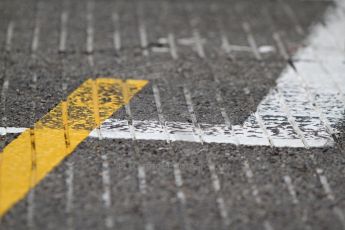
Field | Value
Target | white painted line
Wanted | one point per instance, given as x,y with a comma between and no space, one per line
196,42
143,39
196,127
11,130
142,180
179,183
216,187
69,184
35,38
223,111
106,195
63,31
283,52
249,174
292,16
330,195
9,36
172,45
199,44
325,184
179,131
116,34
248,134
31,209
291,188
251,40
89,33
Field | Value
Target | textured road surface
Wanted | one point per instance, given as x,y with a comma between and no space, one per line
177,45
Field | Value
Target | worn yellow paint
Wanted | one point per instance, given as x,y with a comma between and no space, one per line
27,159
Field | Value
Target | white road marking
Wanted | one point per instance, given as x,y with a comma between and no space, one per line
301,111
143,191
106,195
69,192
226,45
217,189
249,174
143,39
223,111
9,36
31,209
283,52
266,49
142,180
292,16
199,44
116,34
196,42
63,31
251,40
179,183
248,134
89,32
6,82
35,38
291,188
196,126
172,45
142,31
330,195
325,184
254,190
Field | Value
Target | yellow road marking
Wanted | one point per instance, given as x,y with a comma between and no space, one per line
27,159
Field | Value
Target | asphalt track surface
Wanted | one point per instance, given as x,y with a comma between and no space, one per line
134,184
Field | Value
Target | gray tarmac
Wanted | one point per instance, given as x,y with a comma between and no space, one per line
253,191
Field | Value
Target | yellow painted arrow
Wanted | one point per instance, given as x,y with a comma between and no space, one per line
32,155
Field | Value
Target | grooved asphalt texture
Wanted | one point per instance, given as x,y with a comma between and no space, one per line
243,82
